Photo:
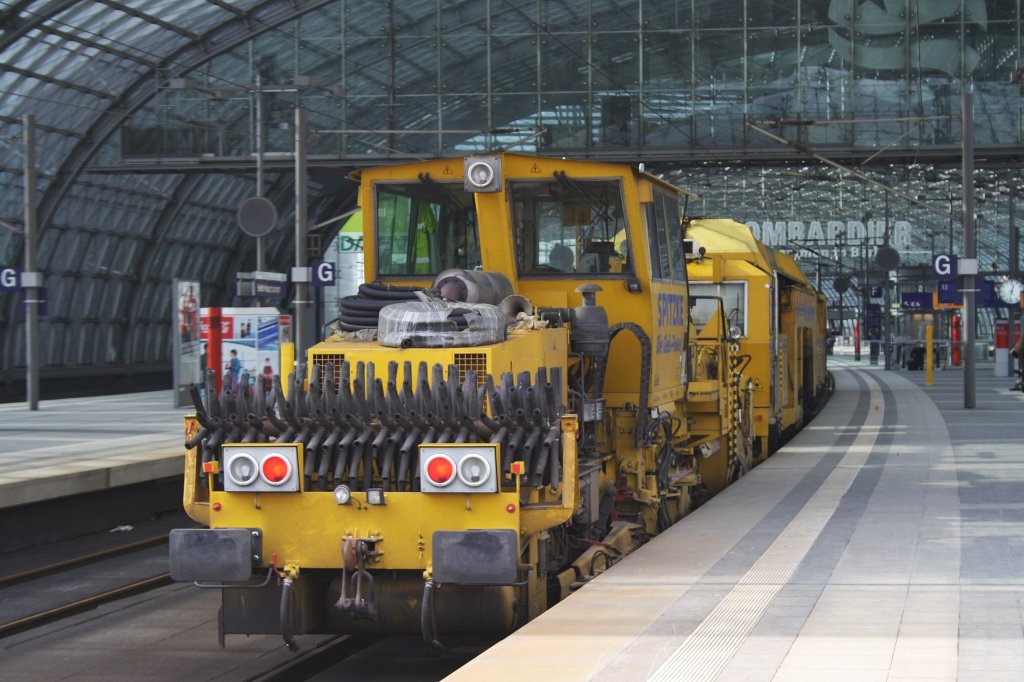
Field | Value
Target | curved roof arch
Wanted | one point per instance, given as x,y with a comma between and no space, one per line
79,110
139,183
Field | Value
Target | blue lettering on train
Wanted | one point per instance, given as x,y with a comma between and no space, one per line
668,343
671,313
671,310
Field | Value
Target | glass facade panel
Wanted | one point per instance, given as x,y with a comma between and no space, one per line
696,73
685,86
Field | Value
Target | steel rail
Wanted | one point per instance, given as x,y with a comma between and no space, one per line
313,661
41,571
42,617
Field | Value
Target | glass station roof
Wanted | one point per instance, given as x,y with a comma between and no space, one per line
148,116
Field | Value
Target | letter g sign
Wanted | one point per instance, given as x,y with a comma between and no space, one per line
323,274
944,266
8,279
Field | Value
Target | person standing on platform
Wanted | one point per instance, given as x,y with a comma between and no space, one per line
1015,352
916,357
235,369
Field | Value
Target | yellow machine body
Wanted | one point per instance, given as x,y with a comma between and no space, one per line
603,412
778,320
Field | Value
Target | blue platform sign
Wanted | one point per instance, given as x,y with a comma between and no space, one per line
41,301
10,279
873,322
987,296
323,274
949,293
916,300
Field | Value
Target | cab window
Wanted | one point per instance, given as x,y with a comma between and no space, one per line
734,299
666,237
570,227
424,228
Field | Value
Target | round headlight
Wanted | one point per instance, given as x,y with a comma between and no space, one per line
242,469
480,174
342,495
474,470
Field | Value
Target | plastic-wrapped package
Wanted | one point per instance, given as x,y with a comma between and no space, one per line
440,324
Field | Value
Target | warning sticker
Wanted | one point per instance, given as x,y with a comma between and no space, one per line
535,168
447,170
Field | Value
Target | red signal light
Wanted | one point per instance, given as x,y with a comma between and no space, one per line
276,469
440,470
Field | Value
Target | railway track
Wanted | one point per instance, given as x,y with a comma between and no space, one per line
78,597
306,664
14,587
65,564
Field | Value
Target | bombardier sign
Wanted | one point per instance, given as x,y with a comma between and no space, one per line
848,233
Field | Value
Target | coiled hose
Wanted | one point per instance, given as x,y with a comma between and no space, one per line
362,311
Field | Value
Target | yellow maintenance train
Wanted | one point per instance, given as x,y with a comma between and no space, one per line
517,398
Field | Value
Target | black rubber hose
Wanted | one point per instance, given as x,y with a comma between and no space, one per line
387,460
393,402
388,291
380,403
341,463
345,401
201,416
197,439
361,305
428,624
405,456
536,471
210,384
362,319
368,456
345,326
512,451
259,404
356,459
295,400
408,398
327,458
555,464
286,615
548,449
282,402
423,402
359,397
371,385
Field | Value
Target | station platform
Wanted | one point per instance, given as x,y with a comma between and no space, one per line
884,542
83,445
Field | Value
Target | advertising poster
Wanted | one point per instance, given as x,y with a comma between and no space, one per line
251,344
345,252
187,345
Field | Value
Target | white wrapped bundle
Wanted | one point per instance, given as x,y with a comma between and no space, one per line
440,324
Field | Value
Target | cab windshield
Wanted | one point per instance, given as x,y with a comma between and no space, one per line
425,227
569,227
